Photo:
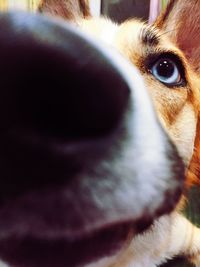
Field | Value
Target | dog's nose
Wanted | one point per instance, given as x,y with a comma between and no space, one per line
81,149
76,114
57,83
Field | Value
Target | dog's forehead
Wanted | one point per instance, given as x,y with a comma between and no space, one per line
136,39
133,38
100,28
114,34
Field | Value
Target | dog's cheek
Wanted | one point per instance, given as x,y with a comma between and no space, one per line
183,130
168,102
176,114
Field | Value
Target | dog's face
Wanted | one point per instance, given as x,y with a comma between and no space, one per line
85,161
172,84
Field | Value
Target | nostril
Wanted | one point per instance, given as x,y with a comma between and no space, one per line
72,101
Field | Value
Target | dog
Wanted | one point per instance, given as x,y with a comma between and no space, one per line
91,174
172,41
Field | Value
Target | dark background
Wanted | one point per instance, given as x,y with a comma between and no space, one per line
119,10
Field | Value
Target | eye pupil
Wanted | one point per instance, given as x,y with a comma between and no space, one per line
165,68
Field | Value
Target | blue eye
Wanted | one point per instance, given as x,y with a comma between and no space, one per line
167,71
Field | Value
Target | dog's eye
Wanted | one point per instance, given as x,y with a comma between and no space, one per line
167,71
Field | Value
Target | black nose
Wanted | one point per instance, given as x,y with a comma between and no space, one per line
81,150
71,109
56,82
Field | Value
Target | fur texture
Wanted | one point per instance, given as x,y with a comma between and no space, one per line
176,31
174,35
66,9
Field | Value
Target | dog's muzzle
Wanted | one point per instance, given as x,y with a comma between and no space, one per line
83,158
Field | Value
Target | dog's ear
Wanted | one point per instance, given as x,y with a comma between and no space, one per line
67,9
181,20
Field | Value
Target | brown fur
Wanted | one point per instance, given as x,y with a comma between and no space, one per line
181,16
66,9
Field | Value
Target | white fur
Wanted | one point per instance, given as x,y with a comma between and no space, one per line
104,29
170,236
